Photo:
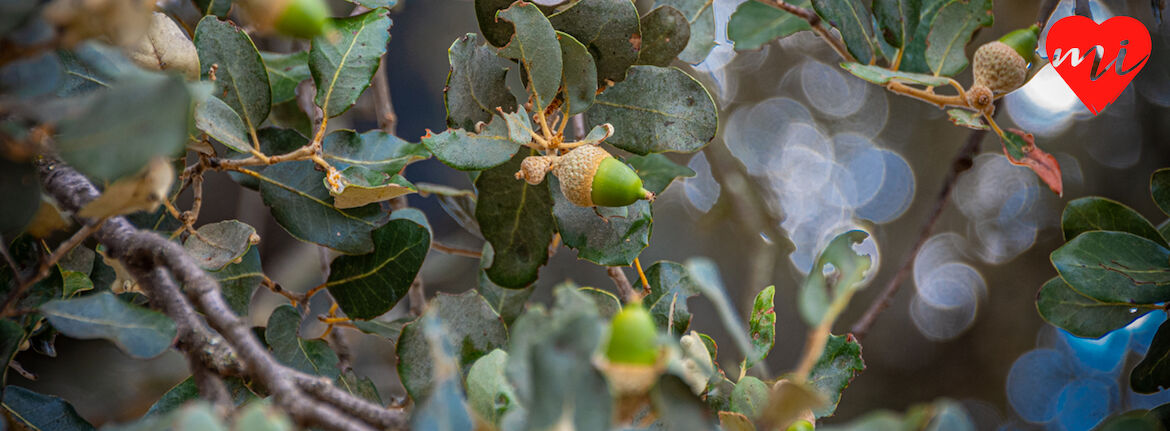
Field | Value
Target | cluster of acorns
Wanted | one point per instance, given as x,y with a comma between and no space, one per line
1001,66
589,176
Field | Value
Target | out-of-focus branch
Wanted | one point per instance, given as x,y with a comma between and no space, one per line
625,289
44,268
814,21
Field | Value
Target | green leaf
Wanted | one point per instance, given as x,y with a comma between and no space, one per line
897,19
665,33
519,125
1082,315
566,388
289,116
750,397
1153,372
657,110
882,76
849,269
580,74
1097,213
855,22
469,325
369,285
126,125
21,189
12,335
300,202
218,8
701,16
74,283
217,244
516,219
273,141
496,32
374,150
28,253
534,44
755,24
1160,189
342,67
508,303
310,356
238,280
1115,267
362,387
285,73
969,119
360,186
607,28
1137,420
140,332
374,4
680,408
261,416
215,118
950,32
240,77
658,171
470,151
670,286
187,390
488,391
762,327
1021,150
444,408
608,305
605,240
835,369
475,85
41,412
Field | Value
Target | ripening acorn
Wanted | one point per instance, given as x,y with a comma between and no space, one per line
589,176
296,18
801,425
1002,65
633,338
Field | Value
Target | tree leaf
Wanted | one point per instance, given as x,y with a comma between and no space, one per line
658,171
300,202
215,118
343,68
359,186
897,19
444,408
471,151
28,253
310,356
608,28
165,47
516,219
665,33
534,44
488,391
187,390
508,303
375,150
1137,420
469,325
849,269
21,189
41,412
1097,213
1115,267
855,22
374,4
1160,189
238,280
701,16
580,74
369,285
608,241
762,327
273,140
670,286
496,32
240,77
140,332
262,416
12,335
755,24
127,125
914,58
1020,149
1082,315
835,369
950,32
218,244
608,305
750,397
657,110
882,76
218,8
1153,372
285,73
969,119
680,408
475,85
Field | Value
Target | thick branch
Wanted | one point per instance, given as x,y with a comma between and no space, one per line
623,284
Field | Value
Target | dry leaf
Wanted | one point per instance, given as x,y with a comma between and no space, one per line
732,421
356,186
142,192
123,22
790,402
1043,164
166,47
47,220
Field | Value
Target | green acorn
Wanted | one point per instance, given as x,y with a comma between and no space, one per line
801,425
589,176
633,338
297,18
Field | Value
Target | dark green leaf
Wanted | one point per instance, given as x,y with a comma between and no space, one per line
969,119
882,76
310,356
953,26
762,327
849,269
750,397
369,285
580,74
1160,189
897,19
1097,213
218,8
1137,420
28,254
22,196
508,303
701,16
301,204
29,77
475,85
362,387
657,110
469,325
1115,267
187,390
238,280
215,118
444,408
74,282
1082,315
665,32
658,171
11,337
240,77
470,151
140,332
127,125
290,116
285,73
535,45
41,412
1153,372
670,286
607,304
614,240
933,29
680,409
837,366
273,141
496,32
755,24
516,219
343,66
388,330
217,244
855,22
375,150
488,391
608,28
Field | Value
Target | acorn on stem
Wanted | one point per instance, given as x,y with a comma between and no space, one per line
589,176
633,338
296,18
1001,66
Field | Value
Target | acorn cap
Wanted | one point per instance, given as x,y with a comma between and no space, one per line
999,67
576,169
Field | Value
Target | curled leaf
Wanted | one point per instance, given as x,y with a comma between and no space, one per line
142,192
1020,149
166,47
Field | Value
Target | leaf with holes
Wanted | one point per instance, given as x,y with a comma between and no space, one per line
140,332
655,110
755,24
369,285
342,67
836,368
240,77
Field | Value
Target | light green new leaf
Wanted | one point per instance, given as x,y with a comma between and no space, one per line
534,44
665,33
475,84
310,356
285,72
605,240
471,151
701,16
1115,267
140,332
221,243
855,22
897,19
41,412
755,24
658,171
580,74
301,203
369,285
849,270
762,327
882,76
516,219
1084,316
655,110
469,325
950,32
1097,213
969,119
343,66
241,79
835,369
608,29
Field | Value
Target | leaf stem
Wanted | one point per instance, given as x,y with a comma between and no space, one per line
455,251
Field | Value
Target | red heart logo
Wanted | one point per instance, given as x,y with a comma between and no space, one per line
1122,45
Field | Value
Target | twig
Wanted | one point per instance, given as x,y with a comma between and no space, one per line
814,21
455,251
623,284
387,119
45,266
